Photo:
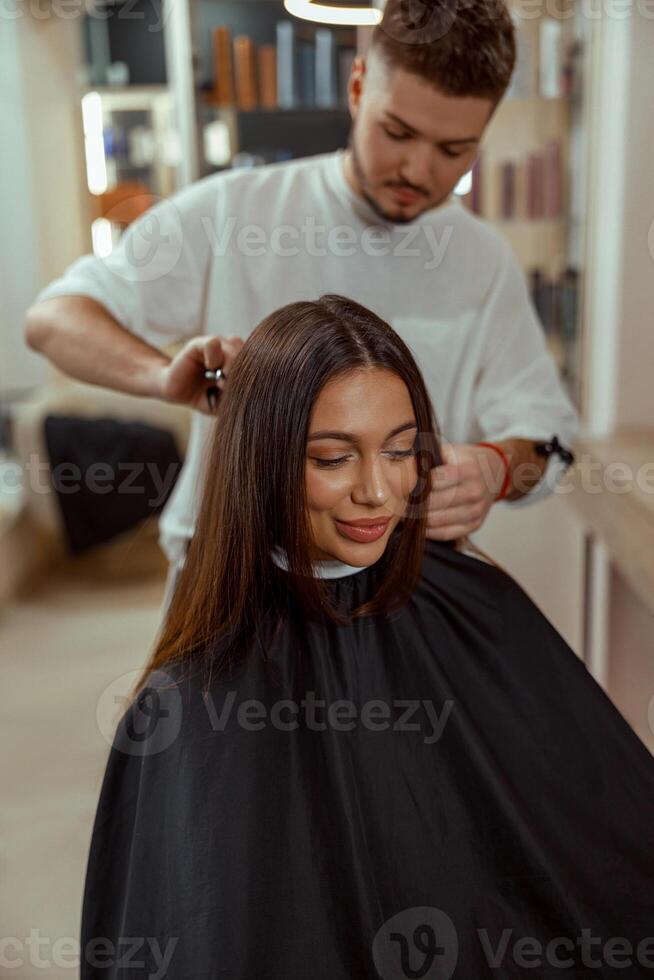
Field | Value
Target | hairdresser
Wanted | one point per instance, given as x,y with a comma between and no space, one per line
375,221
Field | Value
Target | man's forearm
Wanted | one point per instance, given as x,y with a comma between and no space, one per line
83,340
526,466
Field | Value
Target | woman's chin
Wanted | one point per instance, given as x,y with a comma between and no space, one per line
358,554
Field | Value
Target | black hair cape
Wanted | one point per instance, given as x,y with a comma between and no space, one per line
444,792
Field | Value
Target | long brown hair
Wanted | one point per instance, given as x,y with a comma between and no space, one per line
253,486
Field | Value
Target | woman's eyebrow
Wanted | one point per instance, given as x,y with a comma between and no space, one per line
350,437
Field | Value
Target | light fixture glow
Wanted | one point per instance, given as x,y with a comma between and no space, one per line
217,144
321,13
465,185
102,238
96,164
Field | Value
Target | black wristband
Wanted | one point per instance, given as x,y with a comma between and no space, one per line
554,446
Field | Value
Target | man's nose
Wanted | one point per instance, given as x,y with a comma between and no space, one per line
417,168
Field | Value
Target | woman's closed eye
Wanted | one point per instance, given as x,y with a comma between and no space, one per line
396,454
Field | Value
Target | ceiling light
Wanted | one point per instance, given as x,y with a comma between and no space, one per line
323,13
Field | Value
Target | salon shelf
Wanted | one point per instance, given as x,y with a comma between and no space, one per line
299,132
300,110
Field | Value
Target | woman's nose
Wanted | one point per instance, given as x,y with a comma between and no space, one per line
371,487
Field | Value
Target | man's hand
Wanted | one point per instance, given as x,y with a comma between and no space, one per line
463,490
182,380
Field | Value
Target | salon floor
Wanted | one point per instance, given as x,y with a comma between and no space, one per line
66,650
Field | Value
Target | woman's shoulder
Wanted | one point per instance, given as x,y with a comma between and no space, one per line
475,584
159,711
443,561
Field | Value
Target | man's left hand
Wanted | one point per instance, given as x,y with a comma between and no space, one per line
463,490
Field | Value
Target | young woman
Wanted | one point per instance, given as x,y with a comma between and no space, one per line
355,753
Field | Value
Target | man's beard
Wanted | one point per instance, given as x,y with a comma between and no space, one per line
361,177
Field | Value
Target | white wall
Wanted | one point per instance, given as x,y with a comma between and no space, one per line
543,546
619,312
621,228
42,179
635,401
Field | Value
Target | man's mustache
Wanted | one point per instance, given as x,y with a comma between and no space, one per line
408,187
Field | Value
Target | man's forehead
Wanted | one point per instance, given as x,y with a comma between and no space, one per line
408,99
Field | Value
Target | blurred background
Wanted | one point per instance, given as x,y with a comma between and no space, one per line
107,107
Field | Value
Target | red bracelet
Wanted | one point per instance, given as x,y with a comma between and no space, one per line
507,468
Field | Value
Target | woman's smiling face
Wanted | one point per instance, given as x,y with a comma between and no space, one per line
360,464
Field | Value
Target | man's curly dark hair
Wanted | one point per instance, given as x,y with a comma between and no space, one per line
463,47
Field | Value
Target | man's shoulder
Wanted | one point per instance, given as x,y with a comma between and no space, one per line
241,187
267,174
476,231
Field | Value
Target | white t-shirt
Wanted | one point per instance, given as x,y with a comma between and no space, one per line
223,253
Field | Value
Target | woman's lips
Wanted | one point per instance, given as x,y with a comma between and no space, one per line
364,532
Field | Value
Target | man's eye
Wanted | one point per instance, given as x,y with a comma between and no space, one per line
396,136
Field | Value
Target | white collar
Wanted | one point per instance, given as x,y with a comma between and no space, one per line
329,568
